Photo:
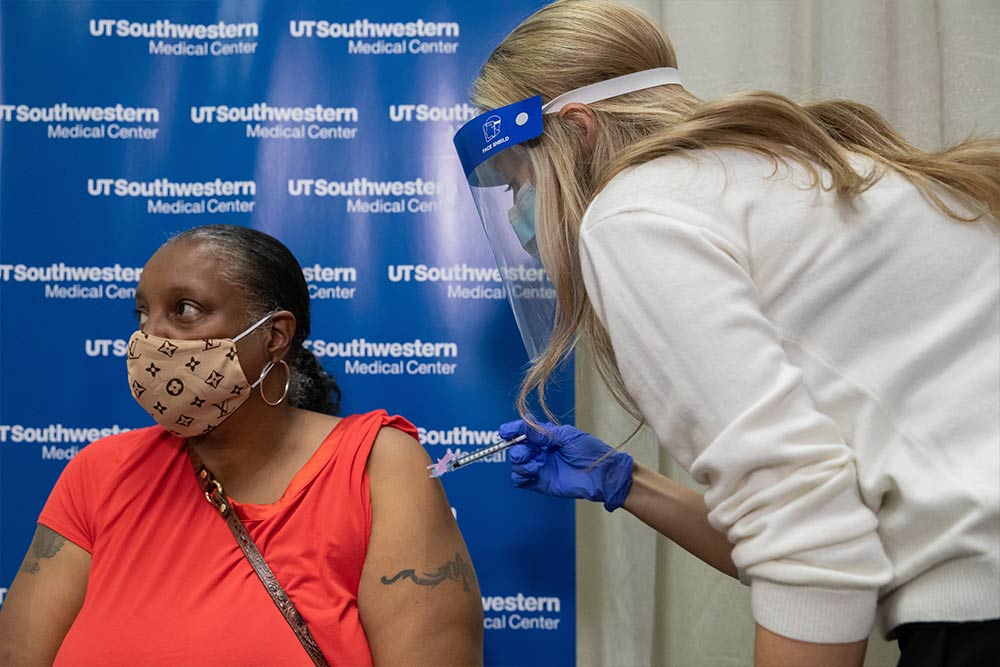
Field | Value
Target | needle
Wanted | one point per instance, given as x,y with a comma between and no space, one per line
450,462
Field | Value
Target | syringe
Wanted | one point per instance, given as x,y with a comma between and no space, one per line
450,462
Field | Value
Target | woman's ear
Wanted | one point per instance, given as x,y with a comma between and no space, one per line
584,119
281,333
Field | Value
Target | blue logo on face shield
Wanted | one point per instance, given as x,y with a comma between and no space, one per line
491,128
496,130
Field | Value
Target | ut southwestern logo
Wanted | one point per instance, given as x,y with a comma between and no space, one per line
491,128
167,38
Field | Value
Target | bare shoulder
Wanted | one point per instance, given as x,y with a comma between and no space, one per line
397,471
396,454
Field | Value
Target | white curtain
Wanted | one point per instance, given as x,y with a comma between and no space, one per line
932,67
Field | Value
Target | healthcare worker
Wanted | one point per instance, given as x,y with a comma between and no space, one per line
803,306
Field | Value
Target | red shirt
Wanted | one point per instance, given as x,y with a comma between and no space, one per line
169,585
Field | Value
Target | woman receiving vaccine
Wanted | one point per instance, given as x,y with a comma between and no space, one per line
250,525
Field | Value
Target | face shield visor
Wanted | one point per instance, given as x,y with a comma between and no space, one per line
500,176
494,151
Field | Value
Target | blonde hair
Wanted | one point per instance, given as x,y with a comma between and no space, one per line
573,43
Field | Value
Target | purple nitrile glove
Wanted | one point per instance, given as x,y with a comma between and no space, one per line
560,461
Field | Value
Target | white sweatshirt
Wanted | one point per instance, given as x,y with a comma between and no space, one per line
830,370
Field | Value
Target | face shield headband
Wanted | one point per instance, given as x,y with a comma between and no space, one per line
499,173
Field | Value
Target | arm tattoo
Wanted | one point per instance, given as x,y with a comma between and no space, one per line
46,544
456,570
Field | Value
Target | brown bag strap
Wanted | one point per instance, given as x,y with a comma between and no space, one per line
217,498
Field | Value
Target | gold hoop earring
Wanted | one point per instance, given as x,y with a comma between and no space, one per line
288,382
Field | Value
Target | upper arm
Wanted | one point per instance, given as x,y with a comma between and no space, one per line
419,597
44,599
707,368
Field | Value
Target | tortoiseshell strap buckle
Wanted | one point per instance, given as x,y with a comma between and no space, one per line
215,495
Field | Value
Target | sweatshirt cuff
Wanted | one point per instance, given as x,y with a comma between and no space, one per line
810,614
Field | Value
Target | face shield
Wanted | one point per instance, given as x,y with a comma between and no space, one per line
494,151
500,176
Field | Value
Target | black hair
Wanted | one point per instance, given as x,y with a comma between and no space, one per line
271,279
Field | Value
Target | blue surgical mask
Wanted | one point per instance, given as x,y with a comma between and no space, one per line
522,219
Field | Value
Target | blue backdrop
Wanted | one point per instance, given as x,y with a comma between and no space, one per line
327,125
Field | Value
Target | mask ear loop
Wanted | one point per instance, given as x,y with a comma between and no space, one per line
288,381
255,325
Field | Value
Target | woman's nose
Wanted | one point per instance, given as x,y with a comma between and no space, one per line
156,324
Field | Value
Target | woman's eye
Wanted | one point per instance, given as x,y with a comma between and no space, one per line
141,318
185,309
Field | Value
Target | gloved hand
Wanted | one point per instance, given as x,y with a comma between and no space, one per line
564,461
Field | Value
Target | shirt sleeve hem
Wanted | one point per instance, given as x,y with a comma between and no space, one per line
810,614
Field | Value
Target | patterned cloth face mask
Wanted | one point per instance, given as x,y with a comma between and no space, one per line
189,386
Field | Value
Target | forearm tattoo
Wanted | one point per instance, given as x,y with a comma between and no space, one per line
456,570
46,544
